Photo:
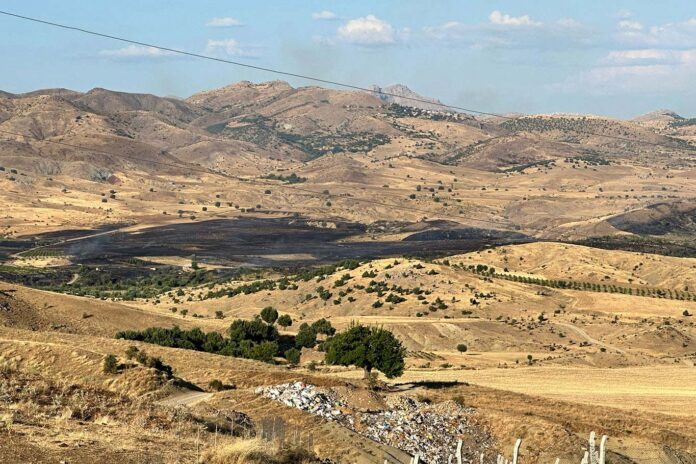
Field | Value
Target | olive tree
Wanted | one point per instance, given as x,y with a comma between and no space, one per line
269,314
368,348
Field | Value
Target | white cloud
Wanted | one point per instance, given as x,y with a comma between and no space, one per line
629,24
500,19
670,35
368,30
503,31
228,48
226,21
649,56
136,51
324,15
638,71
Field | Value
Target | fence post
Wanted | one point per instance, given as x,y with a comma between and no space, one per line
516,450
459,451
586,458
602,449
593,454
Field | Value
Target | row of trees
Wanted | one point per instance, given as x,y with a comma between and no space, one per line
482,269
254,339
361,346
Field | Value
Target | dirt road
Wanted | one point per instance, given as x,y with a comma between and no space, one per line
187,398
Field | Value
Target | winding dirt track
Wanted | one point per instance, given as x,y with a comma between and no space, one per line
589,338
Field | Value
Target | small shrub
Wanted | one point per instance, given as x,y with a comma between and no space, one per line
132,352
285,320
110,365
218,385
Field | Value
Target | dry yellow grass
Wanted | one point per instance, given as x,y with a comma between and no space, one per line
565,261
662,389
256,451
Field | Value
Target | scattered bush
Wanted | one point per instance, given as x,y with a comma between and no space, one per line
285,320
110,365
218,385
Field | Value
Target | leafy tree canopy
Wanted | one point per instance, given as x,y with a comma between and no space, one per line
269,314
367,347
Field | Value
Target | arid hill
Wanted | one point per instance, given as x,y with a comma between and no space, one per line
329,154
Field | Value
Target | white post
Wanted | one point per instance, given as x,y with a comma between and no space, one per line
449,459
459,451
586,458
516,450
602,449
416,459
558,460
593,455
481,458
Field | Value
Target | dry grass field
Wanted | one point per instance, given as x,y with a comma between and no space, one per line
469,239
654,389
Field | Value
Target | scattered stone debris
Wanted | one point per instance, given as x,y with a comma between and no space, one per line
308,398
416,427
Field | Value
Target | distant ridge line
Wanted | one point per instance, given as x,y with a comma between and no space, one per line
316,79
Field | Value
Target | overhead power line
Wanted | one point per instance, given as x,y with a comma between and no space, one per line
244,65
189,167
317,79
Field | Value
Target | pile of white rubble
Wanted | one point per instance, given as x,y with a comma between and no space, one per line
416,427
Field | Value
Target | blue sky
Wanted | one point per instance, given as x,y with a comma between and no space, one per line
618,57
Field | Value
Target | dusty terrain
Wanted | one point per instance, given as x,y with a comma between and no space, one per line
467,238
600,361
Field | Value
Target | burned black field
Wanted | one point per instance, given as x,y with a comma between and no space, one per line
128,264
258,242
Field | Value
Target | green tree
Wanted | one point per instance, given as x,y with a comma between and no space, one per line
269,314
322,326
367,347
255,331
293,356
462,348
264,351
285,320
306,337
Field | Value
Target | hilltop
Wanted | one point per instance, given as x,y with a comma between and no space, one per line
329,154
